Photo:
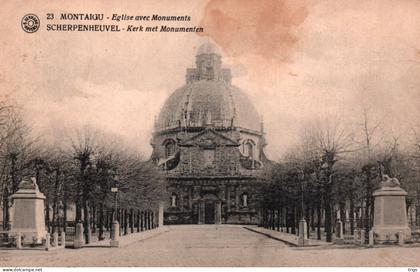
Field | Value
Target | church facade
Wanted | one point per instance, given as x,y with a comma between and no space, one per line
209,143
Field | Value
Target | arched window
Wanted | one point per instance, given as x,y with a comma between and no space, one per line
248,149
245,200
169,148
174,200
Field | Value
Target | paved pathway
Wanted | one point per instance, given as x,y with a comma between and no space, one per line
211,245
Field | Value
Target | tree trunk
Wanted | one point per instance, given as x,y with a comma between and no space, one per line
312,219
125,222
86,221
281,219
142,220
368,203
13,173
343,216
318,221
138,220
107,224
132,220
93,218
149,225
351,216
101,223
6,212
47,214
55,203
65,211
328,207
308,221
293,226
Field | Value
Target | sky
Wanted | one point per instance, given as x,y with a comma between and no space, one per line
297,61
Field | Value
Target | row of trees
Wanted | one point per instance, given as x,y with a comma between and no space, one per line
80,170
336,166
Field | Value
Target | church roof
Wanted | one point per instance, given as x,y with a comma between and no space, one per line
208,98
200,101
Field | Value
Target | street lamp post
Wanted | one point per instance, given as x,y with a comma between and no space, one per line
301,178
302,222
115,231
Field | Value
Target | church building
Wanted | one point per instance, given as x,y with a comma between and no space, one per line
209,143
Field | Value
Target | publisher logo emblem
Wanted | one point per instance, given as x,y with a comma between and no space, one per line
30,23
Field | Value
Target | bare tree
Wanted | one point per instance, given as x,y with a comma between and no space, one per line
83,147
332,143
17,146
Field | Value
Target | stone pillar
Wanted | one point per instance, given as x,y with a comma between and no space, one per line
55,239
63,239
79,240
302,241
371,238
356,236
28,215
18,240
218,212
115,234
47,241
339,236
362,237
160,220
390,215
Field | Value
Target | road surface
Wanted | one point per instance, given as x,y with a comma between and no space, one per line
212,245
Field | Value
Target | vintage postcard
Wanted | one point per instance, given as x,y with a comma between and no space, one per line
210,133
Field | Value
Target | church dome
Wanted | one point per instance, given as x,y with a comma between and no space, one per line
208,98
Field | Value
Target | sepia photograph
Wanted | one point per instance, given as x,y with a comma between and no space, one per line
209,133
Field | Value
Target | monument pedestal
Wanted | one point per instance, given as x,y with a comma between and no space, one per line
28,213
390,216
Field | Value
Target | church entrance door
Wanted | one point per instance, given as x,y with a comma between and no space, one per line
209,213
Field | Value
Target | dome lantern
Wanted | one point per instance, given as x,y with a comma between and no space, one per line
208,65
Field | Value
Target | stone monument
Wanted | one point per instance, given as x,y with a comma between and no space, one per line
390,218
303,235
28,212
